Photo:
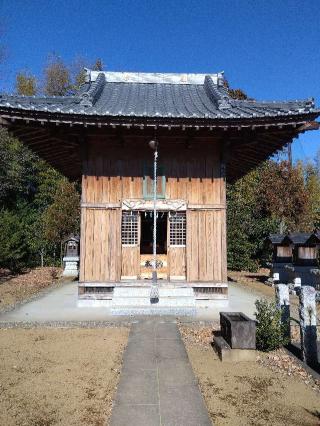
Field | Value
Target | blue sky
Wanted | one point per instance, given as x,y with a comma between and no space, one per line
270,49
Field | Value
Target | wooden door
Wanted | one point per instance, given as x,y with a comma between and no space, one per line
130,239
177,246
146,248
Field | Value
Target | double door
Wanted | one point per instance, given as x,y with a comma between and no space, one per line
137,245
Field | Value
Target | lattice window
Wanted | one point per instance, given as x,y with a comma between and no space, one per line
130,228
177,229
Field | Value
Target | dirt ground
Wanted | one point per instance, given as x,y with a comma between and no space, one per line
265,392
57,376
254,282
16,289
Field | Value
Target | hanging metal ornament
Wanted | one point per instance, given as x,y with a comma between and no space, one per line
154,294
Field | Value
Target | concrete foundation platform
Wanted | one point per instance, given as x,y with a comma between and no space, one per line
136,301
63,304
226,354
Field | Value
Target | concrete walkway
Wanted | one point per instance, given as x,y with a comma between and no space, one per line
157,385
60,305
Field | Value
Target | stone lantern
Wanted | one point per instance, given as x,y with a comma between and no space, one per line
71,256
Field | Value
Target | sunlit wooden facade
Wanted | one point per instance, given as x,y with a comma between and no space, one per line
100,136
192,186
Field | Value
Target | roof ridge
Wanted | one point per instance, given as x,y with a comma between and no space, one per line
149,77
94,91
216,93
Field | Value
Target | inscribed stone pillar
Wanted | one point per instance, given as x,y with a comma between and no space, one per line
283,303
308,325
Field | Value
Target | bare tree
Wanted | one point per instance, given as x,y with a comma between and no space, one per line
26,84
57,77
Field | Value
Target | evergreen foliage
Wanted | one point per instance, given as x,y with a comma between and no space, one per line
28,188
14,252
270,331
62,216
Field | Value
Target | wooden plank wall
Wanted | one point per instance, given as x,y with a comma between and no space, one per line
205,246
114,173
283,251
177,262
307,252
130,262
100,245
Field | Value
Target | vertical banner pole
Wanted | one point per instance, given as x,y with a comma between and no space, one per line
154,297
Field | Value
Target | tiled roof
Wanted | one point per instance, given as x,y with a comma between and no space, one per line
183,96
275,238
297,238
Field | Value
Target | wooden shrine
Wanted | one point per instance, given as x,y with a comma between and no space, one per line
296,258
101,134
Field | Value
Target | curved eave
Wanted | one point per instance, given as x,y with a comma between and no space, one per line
43,117
56,137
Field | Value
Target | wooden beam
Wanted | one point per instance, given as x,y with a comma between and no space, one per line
4,122
311,125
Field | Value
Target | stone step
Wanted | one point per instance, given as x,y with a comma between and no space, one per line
136,301
145,292
176,292
154,309
145,301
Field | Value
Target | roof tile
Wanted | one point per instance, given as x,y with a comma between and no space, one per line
156,95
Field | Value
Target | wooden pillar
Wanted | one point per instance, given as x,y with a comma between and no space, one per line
224,153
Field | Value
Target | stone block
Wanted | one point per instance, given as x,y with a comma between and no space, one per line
283,304
308,325
238,330
227,354
70,266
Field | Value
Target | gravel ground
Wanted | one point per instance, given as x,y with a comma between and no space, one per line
274,389
66,324
58,376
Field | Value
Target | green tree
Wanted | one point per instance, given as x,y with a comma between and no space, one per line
284,196
272,198
16,170
62,217
312,177
248,223
46,181
26,84
14,249
27,188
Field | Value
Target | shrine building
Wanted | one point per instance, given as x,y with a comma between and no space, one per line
205,138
